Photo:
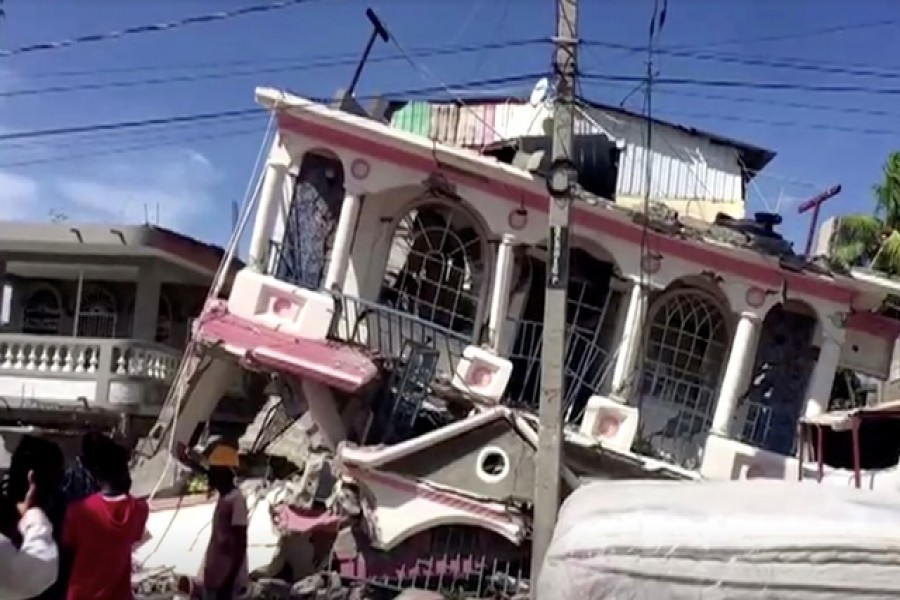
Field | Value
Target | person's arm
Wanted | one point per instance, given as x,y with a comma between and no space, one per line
34,567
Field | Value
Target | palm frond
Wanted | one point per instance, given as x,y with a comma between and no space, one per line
857,239
887,260
887,192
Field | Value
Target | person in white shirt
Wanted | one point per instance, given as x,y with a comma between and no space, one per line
26,570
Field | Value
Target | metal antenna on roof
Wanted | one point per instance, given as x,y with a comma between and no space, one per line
378,31
814,204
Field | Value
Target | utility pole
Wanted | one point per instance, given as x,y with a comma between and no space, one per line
561,184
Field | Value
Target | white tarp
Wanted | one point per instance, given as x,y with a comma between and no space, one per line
753,540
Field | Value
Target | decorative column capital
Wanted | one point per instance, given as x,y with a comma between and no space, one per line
752,316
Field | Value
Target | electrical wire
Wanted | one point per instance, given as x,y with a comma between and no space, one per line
296,66
214,116
782,63
137,147
752,85
792,36
644,276
427,75
154,28
794,124
806,106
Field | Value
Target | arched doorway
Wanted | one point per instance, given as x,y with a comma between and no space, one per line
590,320
686,346
97,315
768,412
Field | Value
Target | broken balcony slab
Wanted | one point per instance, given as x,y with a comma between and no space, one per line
338,366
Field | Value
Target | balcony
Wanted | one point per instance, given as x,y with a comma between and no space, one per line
95,373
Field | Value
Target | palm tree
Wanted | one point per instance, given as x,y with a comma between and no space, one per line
873,241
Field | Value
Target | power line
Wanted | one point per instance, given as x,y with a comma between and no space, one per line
351,57
154,28
426,74
849,110
102,137
790,124
213,116
754,85
794,35
57,131
783,63
296,66
793,123
158,142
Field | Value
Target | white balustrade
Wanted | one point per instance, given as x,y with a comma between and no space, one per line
145,362
36,357
32,355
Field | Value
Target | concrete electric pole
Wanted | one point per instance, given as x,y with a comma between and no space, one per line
561,185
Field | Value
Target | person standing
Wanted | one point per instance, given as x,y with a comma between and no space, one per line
224,572
43,458
29,558
101,530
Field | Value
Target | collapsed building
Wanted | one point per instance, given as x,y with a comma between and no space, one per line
388,316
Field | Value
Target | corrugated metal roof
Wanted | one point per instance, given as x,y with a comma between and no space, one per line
754,158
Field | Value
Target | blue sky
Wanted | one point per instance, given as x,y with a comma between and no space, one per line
192,174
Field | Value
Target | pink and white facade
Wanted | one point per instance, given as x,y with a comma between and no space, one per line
663,344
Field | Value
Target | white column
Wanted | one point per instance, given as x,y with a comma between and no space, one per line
343,243
5,296
500,293
740,361
818,392
631,338
266,211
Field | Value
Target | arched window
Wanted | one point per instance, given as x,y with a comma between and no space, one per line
97,315
686,348
41,312
436,266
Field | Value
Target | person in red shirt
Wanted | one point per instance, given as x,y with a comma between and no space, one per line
101,531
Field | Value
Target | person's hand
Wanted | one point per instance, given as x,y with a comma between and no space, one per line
31,496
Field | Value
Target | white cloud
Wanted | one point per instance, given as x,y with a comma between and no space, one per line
177,190
20,196
172,187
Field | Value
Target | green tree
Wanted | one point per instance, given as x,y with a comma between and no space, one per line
874,240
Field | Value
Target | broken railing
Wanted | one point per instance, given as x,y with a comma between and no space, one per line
675,413
456,561
413,351
587,367
386,332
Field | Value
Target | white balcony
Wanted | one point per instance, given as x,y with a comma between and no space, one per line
113,374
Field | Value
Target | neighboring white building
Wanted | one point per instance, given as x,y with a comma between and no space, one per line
696,173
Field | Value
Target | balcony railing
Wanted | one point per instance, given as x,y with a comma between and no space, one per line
587,367
35,368
385,331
